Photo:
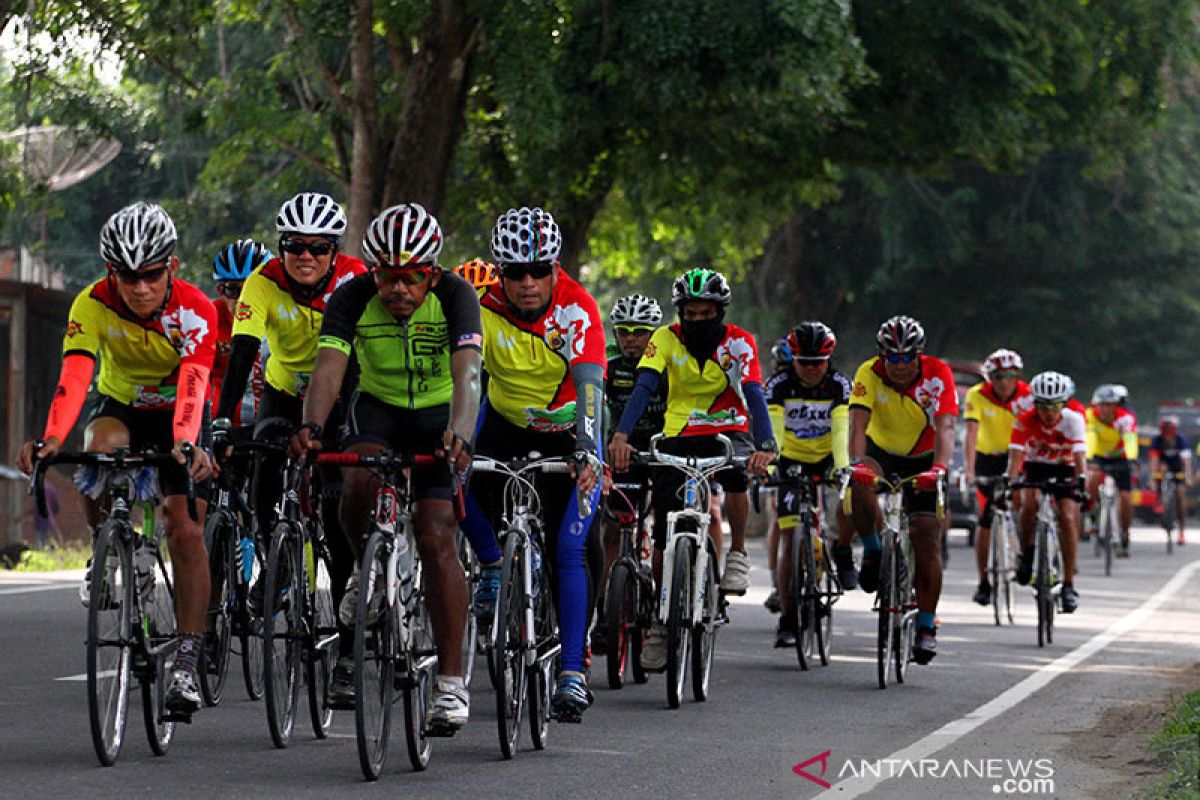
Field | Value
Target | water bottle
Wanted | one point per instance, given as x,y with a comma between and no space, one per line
144,563
246,551
535,561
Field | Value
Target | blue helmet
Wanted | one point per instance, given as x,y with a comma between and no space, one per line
235,262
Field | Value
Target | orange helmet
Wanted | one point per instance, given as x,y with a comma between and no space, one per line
478,273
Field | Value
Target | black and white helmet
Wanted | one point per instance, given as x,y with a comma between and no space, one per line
402,236
900,334
137,235
638,310
311,214
525,236
1107,393
1051,387
701,283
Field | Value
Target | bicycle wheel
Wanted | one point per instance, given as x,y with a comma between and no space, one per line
1108,537
283,620
249,626
804,572
158,624
704,634
376,647
418,689
620,610
887,609
509,649
110,641
471,629
1169,514
221,537
318,667
643,619
544,671
827,591
679,621
997,566
1045,603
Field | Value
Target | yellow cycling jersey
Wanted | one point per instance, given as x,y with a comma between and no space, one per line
902,421
1116,439
810,422
995,416
140,359
292,325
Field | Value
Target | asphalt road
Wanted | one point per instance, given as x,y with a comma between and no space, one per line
1077,716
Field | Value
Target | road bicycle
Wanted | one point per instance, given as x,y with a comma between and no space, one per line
393,637
690,603
299,630
131,603
1002,552
525,644
1047,561
629,594
1170,503
1106,539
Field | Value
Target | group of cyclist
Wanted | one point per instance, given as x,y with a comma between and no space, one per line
506,358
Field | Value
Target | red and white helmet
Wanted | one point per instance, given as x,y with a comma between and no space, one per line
1002,359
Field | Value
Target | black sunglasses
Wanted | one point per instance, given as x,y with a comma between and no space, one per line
298,248
517,272
129,278
900,358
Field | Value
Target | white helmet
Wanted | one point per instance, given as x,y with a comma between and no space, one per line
524,236
637,309
311,214
1002,359
401,236
1106,393
1122,393
137,235
1051,387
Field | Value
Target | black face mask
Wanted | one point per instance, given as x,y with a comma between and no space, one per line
701,336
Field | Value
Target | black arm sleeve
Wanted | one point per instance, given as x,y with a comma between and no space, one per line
647,384
241,361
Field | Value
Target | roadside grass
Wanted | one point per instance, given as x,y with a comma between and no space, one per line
1177,748
67,556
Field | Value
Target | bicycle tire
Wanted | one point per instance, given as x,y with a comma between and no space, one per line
804,576
542,675
283,618
704,635
418,689
644,617
1169,514
679,621
319,663
885,631
470,643
222,563
1108,537
620,602
159,628
827,592
110,640
509,649
997,565
1042,588
905,622
375,653
249,629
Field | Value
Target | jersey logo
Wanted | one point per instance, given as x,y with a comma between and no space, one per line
566,329
929,395
470,340
859,390
651,350
1022,404
74,328
244,311
185,329
735,357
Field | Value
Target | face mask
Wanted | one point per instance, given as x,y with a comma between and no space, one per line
703,335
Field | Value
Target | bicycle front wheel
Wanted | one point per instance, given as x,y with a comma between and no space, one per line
282,629
826,593
509,650
249,626
418,689
470,642
704,635
109,641
888,609
542,674
804,593
318,667
158,625
376,648
679,621
620,609
222,566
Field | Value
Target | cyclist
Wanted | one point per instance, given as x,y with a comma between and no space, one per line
284,301
478,273
634,318
1112,449
782,357
701,403
415,332
809,407
1170,451
992,407
155,336
1048,441
903,410
544,355
231,266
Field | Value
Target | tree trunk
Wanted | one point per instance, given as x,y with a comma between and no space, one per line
435,98
366,123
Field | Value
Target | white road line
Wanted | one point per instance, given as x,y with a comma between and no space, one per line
953,731
41,588
108,673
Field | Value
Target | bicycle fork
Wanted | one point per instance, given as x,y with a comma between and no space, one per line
699,585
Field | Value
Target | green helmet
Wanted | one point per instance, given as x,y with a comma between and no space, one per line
701,283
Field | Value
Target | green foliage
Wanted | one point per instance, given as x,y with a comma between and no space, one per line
66,556
1177,749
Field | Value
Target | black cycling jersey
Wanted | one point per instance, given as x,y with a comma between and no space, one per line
1170,450
618,386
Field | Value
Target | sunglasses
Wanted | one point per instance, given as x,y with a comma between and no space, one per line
230,290
517,272
409,276
625,330
130,278
1004,374
299,248
1047,406
900,358
810,362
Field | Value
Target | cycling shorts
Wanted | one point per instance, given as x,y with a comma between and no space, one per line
788,503
1037,471
1120,470
401,430
915,503
988,466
